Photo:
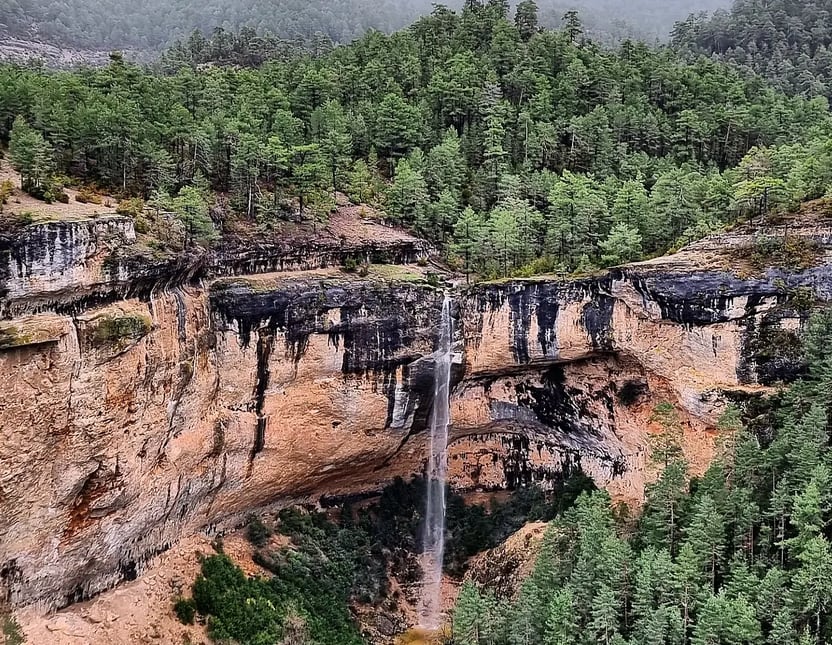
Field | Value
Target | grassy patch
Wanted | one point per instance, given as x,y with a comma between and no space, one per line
11,223
12,337
11,630
395,273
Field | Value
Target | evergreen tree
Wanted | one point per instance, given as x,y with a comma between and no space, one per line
525,19
561,628
621,246
468,616
191,208
31,156
407,197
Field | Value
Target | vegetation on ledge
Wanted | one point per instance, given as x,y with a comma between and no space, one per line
120,330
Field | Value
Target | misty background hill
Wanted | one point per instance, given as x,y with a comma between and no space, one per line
152,25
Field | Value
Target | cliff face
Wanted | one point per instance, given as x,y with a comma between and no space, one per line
149,397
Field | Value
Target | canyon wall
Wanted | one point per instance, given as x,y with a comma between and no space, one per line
148,396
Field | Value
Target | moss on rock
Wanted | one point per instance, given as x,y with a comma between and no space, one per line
119,330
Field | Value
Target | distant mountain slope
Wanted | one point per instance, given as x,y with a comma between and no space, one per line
648,20
154,24
787,41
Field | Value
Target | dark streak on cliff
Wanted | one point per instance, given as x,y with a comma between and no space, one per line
264,351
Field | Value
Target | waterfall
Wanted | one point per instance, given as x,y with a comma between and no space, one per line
437,470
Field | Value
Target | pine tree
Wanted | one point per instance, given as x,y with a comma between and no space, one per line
783,631
572,25
667,444
407,197
31,156
561,628
621,246
688,573
504,239
468,239
813,580
191,208
529,615
661,515
445,168
605,609
525,19
632,206
706,535
468,616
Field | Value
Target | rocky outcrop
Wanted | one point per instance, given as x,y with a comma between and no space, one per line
70,266
151,397
503,569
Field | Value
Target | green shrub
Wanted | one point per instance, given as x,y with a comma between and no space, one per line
185,609
10,336
53,190
350,265
794,253
11,222
141,224
10,628
88,196
133,207
6,191
257,532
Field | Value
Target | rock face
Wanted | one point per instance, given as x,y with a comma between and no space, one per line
147,398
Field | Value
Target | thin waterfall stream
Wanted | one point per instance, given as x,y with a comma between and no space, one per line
437,471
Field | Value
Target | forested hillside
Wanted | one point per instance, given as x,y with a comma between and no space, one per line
741,556
153,24
516,150
787,41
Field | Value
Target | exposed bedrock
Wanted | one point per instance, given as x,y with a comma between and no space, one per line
145,402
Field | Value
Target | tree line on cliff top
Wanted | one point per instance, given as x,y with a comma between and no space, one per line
739,556
515,148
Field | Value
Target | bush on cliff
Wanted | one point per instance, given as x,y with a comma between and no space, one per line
256,532
185,610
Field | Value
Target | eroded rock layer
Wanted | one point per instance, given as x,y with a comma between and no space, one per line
145,399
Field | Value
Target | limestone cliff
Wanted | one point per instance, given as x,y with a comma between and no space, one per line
149,396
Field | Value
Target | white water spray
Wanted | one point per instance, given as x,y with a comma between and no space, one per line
437,471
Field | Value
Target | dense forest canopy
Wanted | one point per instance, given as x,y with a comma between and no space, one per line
787,41
153,24
515,149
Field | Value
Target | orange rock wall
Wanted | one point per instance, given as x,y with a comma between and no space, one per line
127,425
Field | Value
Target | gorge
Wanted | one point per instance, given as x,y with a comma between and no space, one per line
150,398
